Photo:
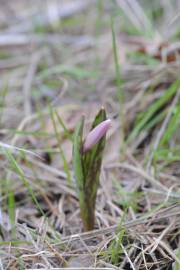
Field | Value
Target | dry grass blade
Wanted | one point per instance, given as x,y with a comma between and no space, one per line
74,57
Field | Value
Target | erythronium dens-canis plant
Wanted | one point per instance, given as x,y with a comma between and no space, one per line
87,159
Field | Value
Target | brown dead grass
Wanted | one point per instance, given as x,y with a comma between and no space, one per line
146,210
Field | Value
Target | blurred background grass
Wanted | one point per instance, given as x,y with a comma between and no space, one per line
59,60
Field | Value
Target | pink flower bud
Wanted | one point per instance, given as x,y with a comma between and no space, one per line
96,134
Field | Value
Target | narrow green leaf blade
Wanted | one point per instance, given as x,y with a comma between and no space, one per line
77,155
92,164
153,109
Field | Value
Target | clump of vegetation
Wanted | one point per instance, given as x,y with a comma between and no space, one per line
87,158
66,59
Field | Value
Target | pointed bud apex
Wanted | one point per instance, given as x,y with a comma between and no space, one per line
96,134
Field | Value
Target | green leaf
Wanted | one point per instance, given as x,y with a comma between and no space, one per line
92,165
153,110
172,126
77,156
87,170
